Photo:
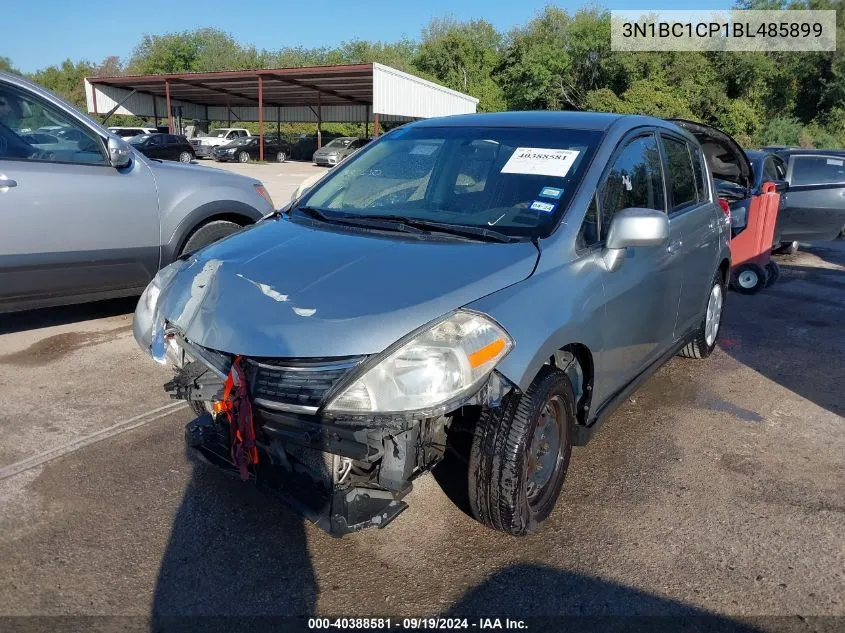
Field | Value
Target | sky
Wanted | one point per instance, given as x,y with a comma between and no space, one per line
67,29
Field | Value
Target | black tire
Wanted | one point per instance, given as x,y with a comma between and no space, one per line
208,234
281,157
699,347
773,272
749,279
787,248
243,157
499,458
185,157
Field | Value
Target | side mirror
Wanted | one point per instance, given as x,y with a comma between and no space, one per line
634,227
780,185
120,153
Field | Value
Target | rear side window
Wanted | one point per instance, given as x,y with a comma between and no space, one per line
818,170
634,180
701,184
679,174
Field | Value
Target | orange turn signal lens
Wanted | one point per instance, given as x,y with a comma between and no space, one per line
487,353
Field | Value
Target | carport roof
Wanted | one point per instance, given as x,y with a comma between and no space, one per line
337,85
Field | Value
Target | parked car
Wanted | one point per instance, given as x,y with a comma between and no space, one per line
129,132
164,147
204,145
92,218
510,278
813,209
245,149
751,200
338,149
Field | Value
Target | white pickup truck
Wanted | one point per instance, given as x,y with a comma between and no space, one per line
204,145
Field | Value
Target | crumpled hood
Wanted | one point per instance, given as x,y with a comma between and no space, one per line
282,289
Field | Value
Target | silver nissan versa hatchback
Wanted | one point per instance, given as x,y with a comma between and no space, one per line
504,278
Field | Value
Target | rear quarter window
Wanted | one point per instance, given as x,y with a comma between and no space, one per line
818,170
679,174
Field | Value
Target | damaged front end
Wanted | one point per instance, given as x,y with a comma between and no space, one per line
343,472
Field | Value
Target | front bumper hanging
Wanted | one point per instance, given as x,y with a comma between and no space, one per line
343,475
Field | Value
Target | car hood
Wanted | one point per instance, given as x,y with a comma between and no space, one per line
172,173
283,289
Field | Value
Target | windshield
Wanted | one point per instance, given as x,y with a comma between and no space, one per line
518,181
240,141
219,134
340,142
140,139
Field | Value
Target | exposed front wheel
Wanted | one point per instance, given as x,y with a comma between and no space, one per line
185,157
704,341
749,279
209,233
243,157
520,454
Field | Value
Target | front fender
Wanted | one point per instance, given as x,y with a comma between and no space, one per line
185,217
547,311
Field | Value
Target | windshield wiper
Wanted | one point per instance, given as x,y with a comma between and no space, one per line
370,222
462,230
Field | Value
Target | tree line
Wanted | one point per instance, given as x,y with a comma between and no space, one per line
558,60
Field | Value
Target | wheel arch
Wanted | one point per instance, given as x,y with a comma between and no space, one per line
576,361
725,270
227,210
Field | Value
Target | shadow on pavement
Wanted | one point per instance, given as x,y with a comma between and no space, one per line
557,600
791,332
63,315
235,556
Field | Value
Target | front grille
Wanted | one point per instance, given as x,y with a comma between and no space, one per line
297,383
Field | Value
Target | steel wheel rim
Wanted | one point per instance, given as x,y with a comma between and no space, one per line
281,157
714,315
544,452
244,157
747,279
185,157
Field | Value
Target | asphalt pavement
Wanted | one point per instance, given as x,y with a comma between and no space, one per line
718,489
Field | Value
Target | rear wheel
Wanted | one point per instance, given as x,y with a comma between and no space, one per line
520,454
208,234
704,342
185,157
749,279
773,272
243,157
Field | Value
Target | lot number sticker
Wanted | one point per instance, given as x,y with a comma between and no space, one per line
540,162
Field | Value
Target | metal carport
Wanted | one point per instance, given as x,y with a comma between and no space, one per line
317,94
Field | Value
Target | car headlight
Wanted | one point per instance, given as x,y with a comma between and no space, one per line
147,325
442,363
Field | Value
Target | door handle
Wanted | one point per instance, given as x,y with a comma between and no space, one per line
674,247
8,182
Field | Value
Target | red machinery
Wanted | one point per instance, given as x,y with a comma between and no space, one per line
752,268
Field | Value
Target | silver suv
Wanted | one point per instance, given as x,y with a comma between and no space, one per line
86,217
504,278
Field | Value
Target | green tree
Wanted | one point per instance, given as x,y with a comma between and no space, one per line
463,55
66,80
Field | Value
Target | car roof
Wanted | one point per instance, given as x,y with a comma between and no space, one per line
810,152
562,119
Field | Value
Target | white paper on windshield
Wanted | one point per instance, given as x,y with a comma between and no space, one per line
540,162
833,161
424,150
